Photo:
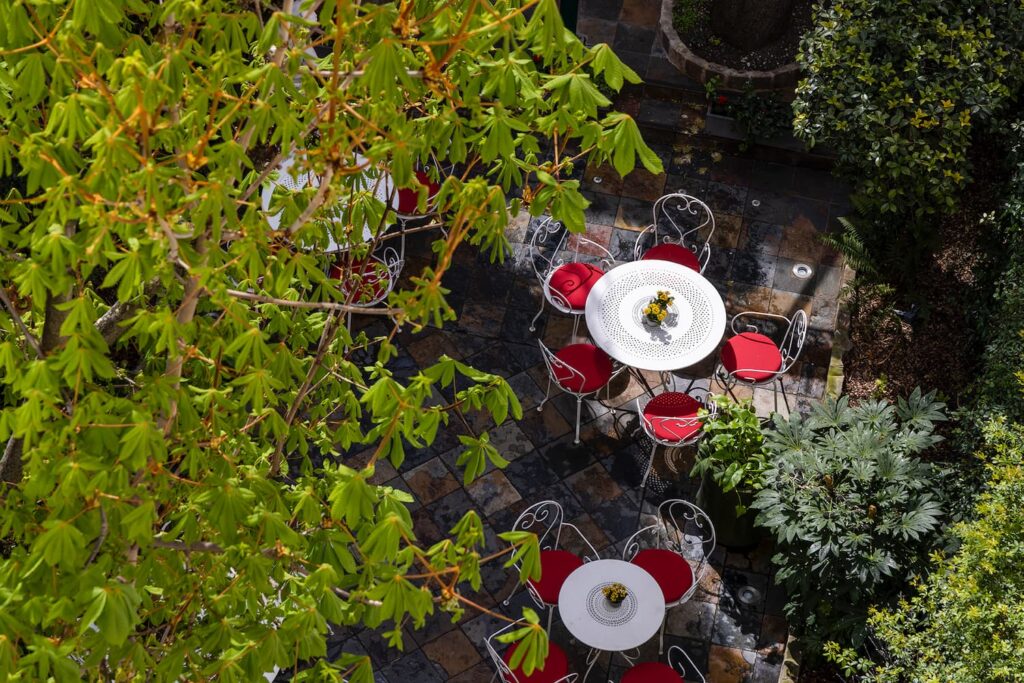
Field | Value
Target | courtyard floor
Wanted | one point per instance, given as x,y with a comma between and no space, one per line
768,218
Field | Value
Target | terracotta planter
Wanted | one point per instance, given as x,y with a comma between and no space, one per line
734,532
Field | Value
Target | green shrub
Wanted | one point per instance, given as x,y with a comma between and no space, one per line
851,507
897,89
965,621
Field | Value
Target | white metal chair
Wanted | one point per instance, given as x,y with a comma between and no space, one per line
547,520
656,672
671,419
681,232
566,276
407,206
675,550
751,357
579,370
367,281
556,666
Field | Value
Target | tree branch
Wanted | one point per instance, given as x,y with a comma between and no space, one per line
29,337
321,305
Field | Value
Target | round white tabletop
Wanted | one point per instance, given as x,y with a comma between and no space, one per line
614,313
590,619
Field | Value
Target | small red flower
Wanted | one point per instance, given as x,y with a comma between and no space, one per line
721,99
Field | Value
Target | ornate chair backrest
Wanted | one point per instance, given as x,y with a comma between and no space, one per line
545,519
552,362
552,246
793,341
679,660
680,219
682,528
505,674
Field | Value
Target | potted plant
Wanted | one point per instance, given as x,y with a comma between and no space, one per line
730,461
657,309
750,117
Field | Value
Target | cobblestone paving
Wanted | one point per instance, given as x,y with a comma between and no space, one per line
768,217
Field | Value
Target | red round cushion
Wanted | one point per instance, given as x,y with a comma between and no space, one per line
751,356
408,197
669,569
593,368
672,416
555,567
572,283
369,279
652,672
556,666
674,253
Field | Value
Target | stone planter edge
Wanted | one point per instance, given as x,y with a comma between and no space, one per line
701,70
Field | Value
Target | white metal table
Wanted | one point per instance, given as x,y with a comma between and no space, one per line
594,622
692,331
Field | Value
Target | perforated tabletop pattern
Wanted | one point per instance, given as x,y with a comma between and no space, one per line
692,330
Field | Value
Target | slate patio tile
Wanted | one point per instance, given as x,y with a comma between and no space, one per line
415,667
769,207
660,70
725,198
400,484
563,457
481,319
774,632
602,210
617,517
761,237
602,178
693,619
631,38
731,169
544,426
771,176
752,269
530,473
453,652
426,529
656,113
640,12
447,511
786,280
729,665
814,183
766,670
744,297
602,9
593,483
477,630
728,230
376,645
623,242
695,187
480,673
742,591
526,390
634,214
596,30
492,492
591,531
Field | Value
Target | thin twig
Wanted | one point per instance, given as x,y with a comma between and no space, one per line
323,305
102,537
29,337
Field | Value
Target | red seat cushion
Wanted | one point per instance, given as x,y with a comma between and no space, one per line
555,567
669,569
368,278
672,416
593,368
652,672
751,356
556,666
408,197
573,282
674,253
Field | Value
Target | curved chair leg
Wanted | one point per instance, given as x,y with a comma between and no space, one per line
575,327
643,482
579,411
661,636
551,613
785,400
546,394
533,323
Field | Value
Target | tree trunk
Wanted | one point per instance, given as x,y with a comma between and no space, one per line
750,24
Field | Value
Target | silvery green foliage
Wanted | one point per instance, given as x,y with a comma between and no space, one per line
850,504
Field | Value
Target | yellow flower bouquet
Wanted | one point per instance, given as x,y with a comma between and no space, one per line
656,309
615,593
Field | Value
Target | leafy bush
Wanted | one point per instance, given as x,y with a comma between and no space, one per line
732,451
897,88
851,508
965,622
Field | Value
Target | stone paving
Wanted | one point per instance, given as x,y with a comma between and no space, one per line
768,217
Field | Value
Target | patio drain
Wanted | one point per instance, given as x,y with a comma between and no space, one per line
748,595
598,179
803,271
